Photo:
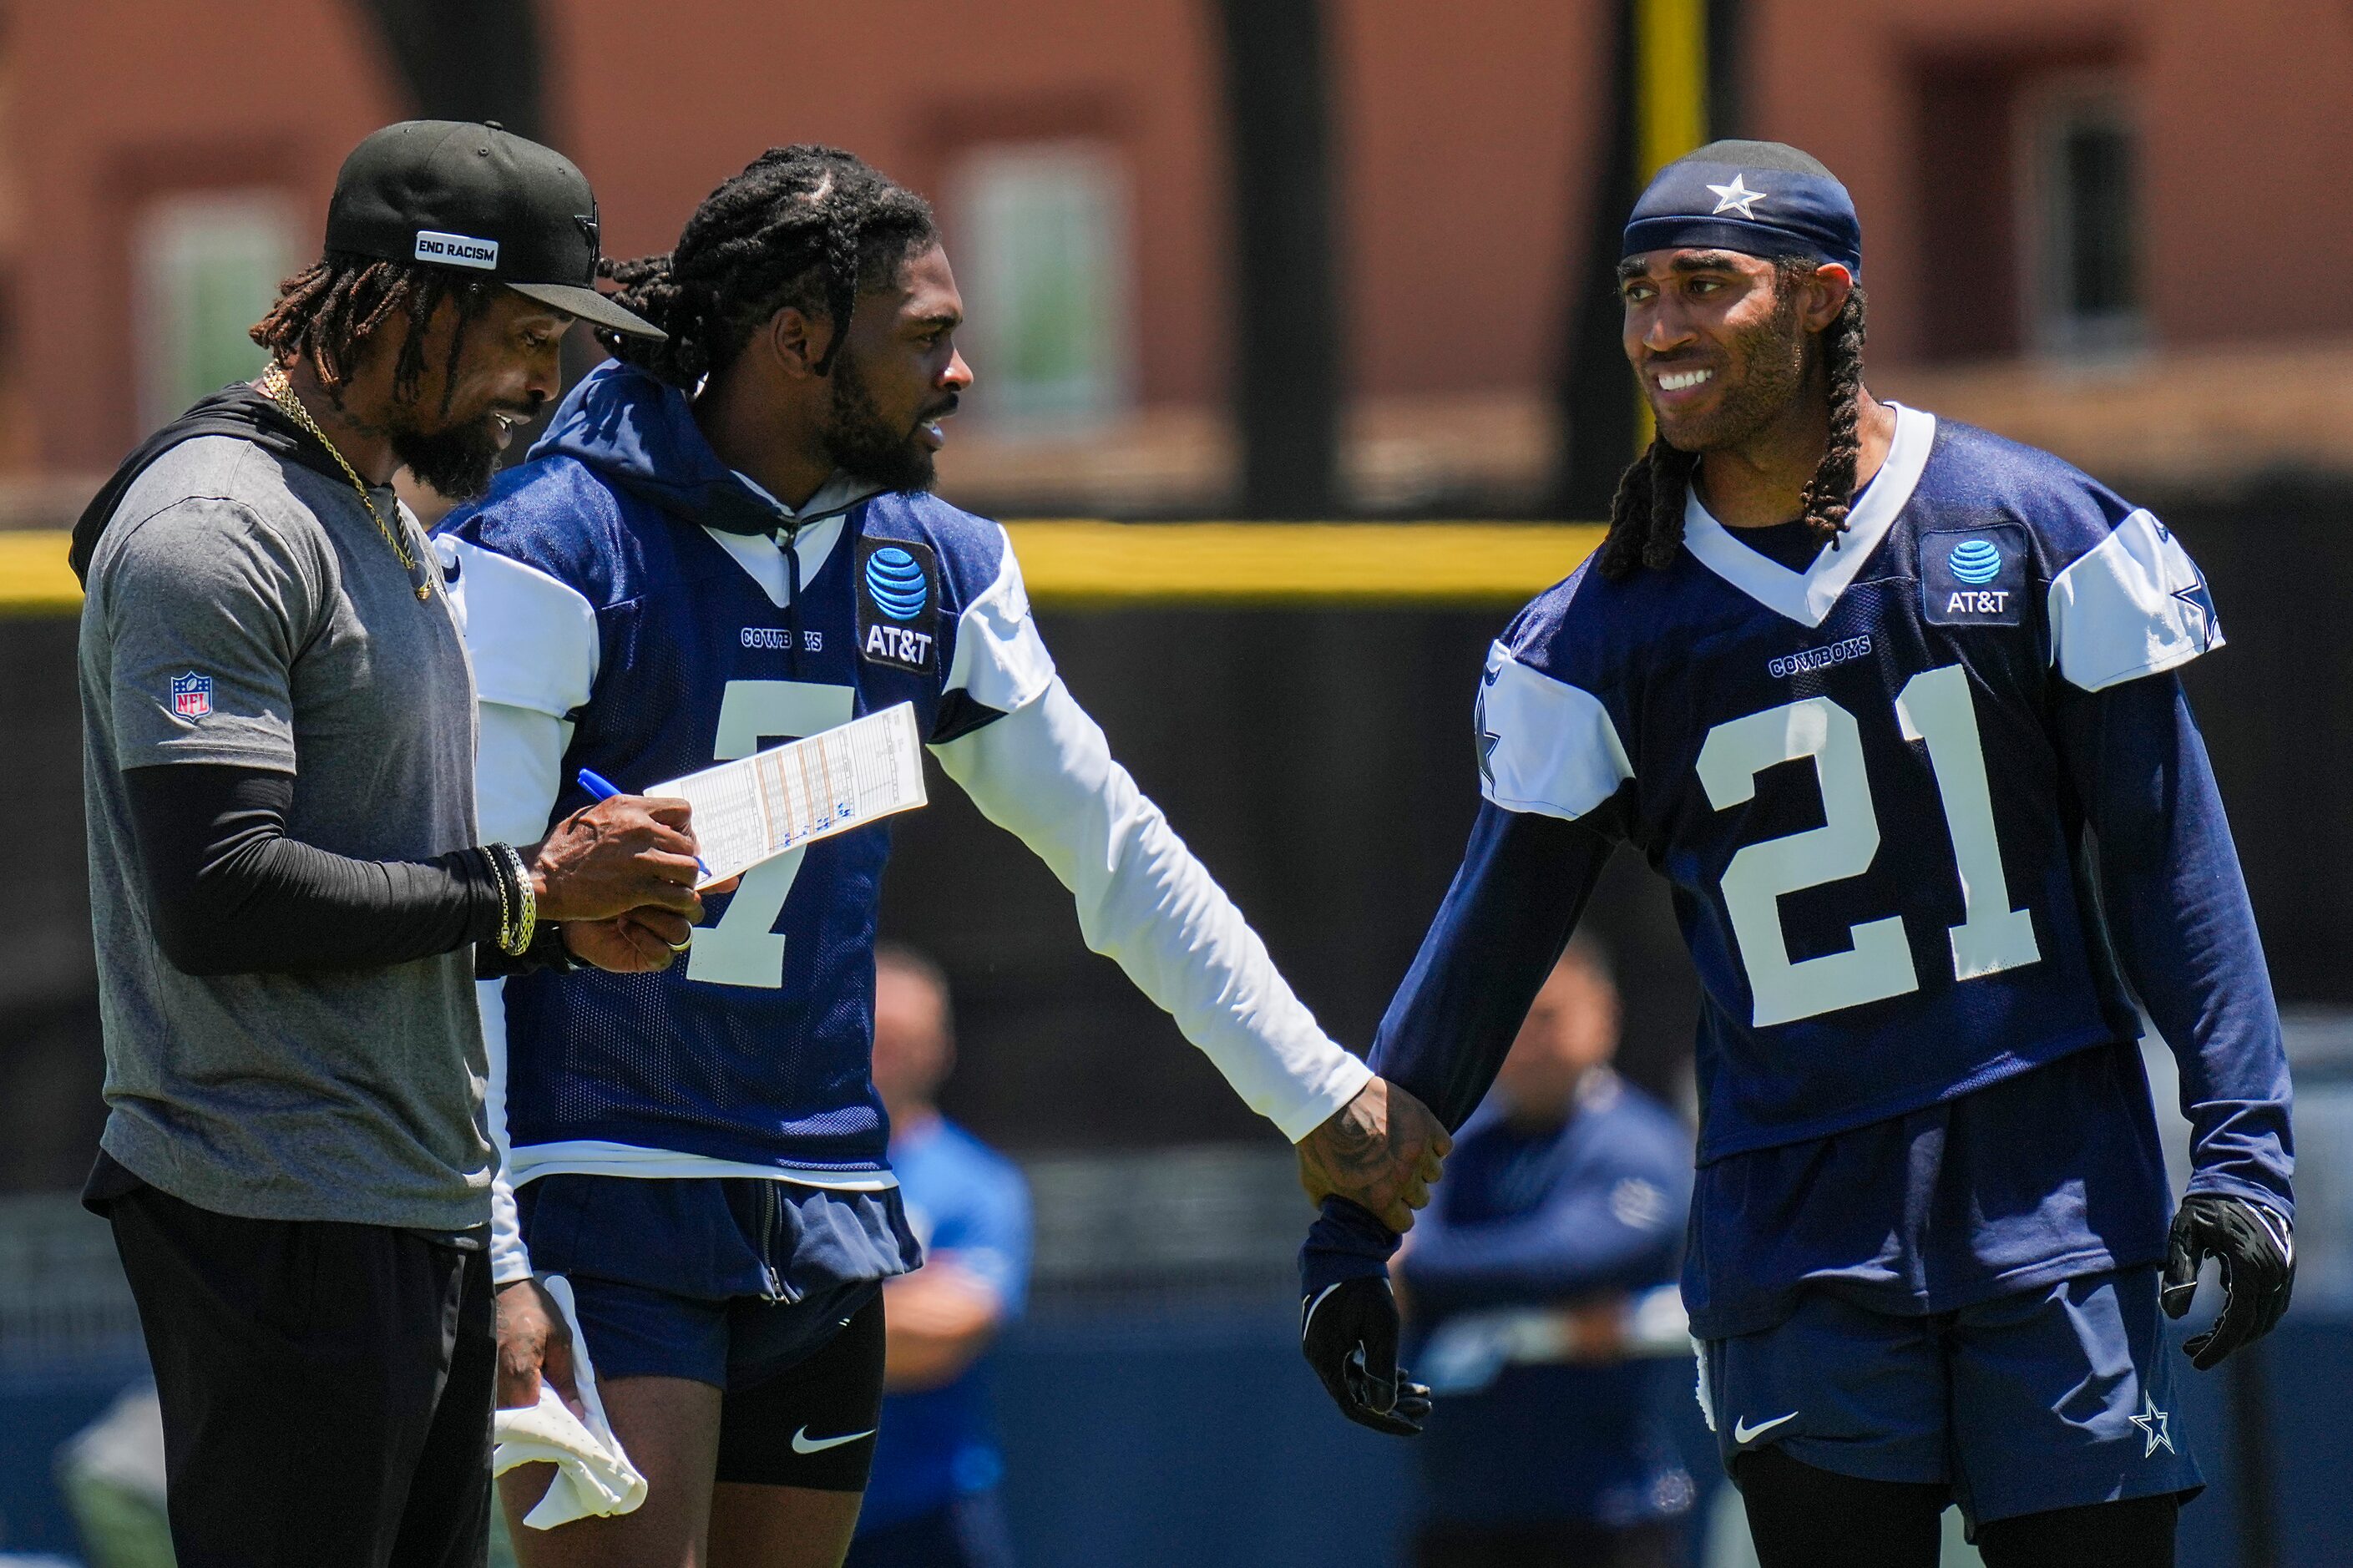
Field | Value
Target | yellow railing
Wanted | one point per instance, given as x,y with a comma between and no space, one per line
1079,562
34,577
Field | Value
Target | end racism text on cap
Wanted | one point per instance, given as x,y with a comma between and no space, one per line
457,249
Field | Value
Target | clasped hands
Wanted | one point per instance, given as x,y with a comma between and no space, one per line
1381,1151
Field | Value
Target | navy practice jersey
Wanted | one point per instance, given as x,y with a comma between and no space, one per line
1925,806
696,665
635,608
1848,774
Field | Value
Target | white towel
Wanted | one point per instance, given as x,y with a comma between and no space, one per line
593,1475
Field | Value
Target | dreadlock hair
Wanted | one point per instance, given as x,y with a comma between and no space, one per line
1646,518
803,225
328,311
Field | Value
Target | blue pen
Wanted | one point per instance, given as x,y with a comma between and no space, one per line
598,785
602,788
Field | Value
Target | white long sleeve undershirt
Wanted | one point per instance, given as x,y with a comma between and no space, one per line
1046,774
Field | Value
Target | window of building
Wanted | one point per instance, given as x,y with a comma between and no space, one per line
2083,187
205,267
1040,235
2028,192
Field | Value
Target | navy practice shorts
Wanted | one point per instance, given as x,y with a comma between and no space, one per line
2046,1399
663,1275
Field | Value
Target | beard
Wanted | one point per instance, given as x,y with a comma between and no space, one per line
861,442
1771,359
455,462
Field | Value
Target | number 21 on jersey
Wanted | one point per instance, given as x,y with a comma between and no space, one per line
1934,708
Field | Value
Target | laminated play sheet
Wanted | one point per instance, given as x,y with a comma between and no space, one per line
757,808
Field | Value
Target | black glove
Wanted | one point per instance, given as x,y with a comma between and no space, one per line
1349,1335
2257,1250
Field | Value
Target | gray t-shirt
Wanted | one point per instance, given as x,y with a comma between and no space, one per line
245,611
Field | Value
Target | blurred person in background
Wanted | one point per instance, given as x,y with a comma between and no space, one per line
932,1500
1562,1207
112,1473
291,896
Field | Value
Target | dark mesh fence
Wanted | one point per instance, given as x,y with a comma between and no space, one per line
1319,760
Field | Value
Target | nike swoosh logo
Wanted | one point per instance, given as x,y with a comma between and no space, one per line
805,1443
1741,1432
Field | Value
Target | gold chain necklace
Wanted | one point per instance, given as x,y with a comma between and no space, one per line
280,391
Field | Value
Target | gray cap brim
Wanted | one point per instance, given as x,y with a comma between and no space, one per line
597,309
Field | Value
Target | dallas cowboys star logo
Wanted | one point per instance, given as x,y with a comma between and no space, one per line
2197,598
2155,1425
1488,739
1736,197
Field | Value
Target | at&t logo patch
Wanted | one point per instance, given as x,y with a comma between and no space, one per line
898,602
1974,577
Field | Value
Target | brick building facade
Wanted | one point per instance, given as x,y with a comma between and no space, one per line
2087,219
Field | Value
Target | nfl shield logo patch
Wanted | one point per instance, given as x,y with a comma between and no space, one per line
192,695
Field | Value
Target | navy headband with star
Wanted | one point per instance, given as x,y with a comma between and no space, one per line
1760,198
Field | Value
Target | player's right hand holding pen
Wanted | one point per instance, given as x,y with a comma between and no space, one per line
619,874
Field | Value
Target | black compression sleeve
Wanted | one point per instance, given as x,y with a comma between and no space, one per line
230,894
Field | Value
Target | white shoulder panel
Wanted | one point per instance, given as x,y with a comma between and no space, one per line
518,770
2134,604
1000,660
1547,747
534,638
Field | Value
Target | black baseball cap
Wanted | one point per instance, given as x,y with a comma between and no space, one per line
459,194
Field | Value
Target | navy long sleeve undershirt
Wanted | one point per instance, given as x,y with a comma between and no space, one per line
1524,881
2175,903
2176,909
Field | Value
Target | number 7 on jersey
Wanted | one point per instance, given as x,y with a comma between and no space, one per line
745,948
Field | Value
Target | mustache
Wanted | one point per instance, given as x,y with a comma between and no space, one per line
940,410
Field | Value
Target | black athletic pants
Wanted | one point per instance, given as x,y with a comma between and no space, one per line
326,1388
1803,1517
